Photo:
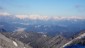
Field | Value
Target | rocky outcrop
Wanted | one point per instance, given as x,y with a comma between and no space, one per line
37,40
56,42
9,43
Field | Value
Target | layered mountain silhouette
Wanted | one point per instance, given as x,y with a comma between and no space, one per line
51,26
39,33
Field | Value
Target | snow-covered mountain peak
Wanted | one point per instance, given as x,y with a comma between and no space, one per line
39,17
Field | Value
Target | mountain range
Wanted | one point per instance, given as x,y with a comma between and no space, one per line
67,26
36,31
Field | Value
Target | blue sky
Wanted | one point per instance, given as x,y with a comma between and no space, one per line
44,7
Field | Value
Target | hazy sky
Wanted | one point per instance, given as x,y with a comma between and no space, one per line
44,7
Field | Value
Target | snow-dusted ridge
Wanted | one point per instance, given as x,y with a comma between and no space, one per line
72,41
41,17
38,17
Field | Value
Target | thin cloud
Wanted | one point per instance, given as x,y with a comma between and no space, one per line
20,29
80,8
1,8
4,14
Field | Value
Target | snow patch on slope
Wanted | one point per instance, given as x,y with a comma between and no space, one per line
15,43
